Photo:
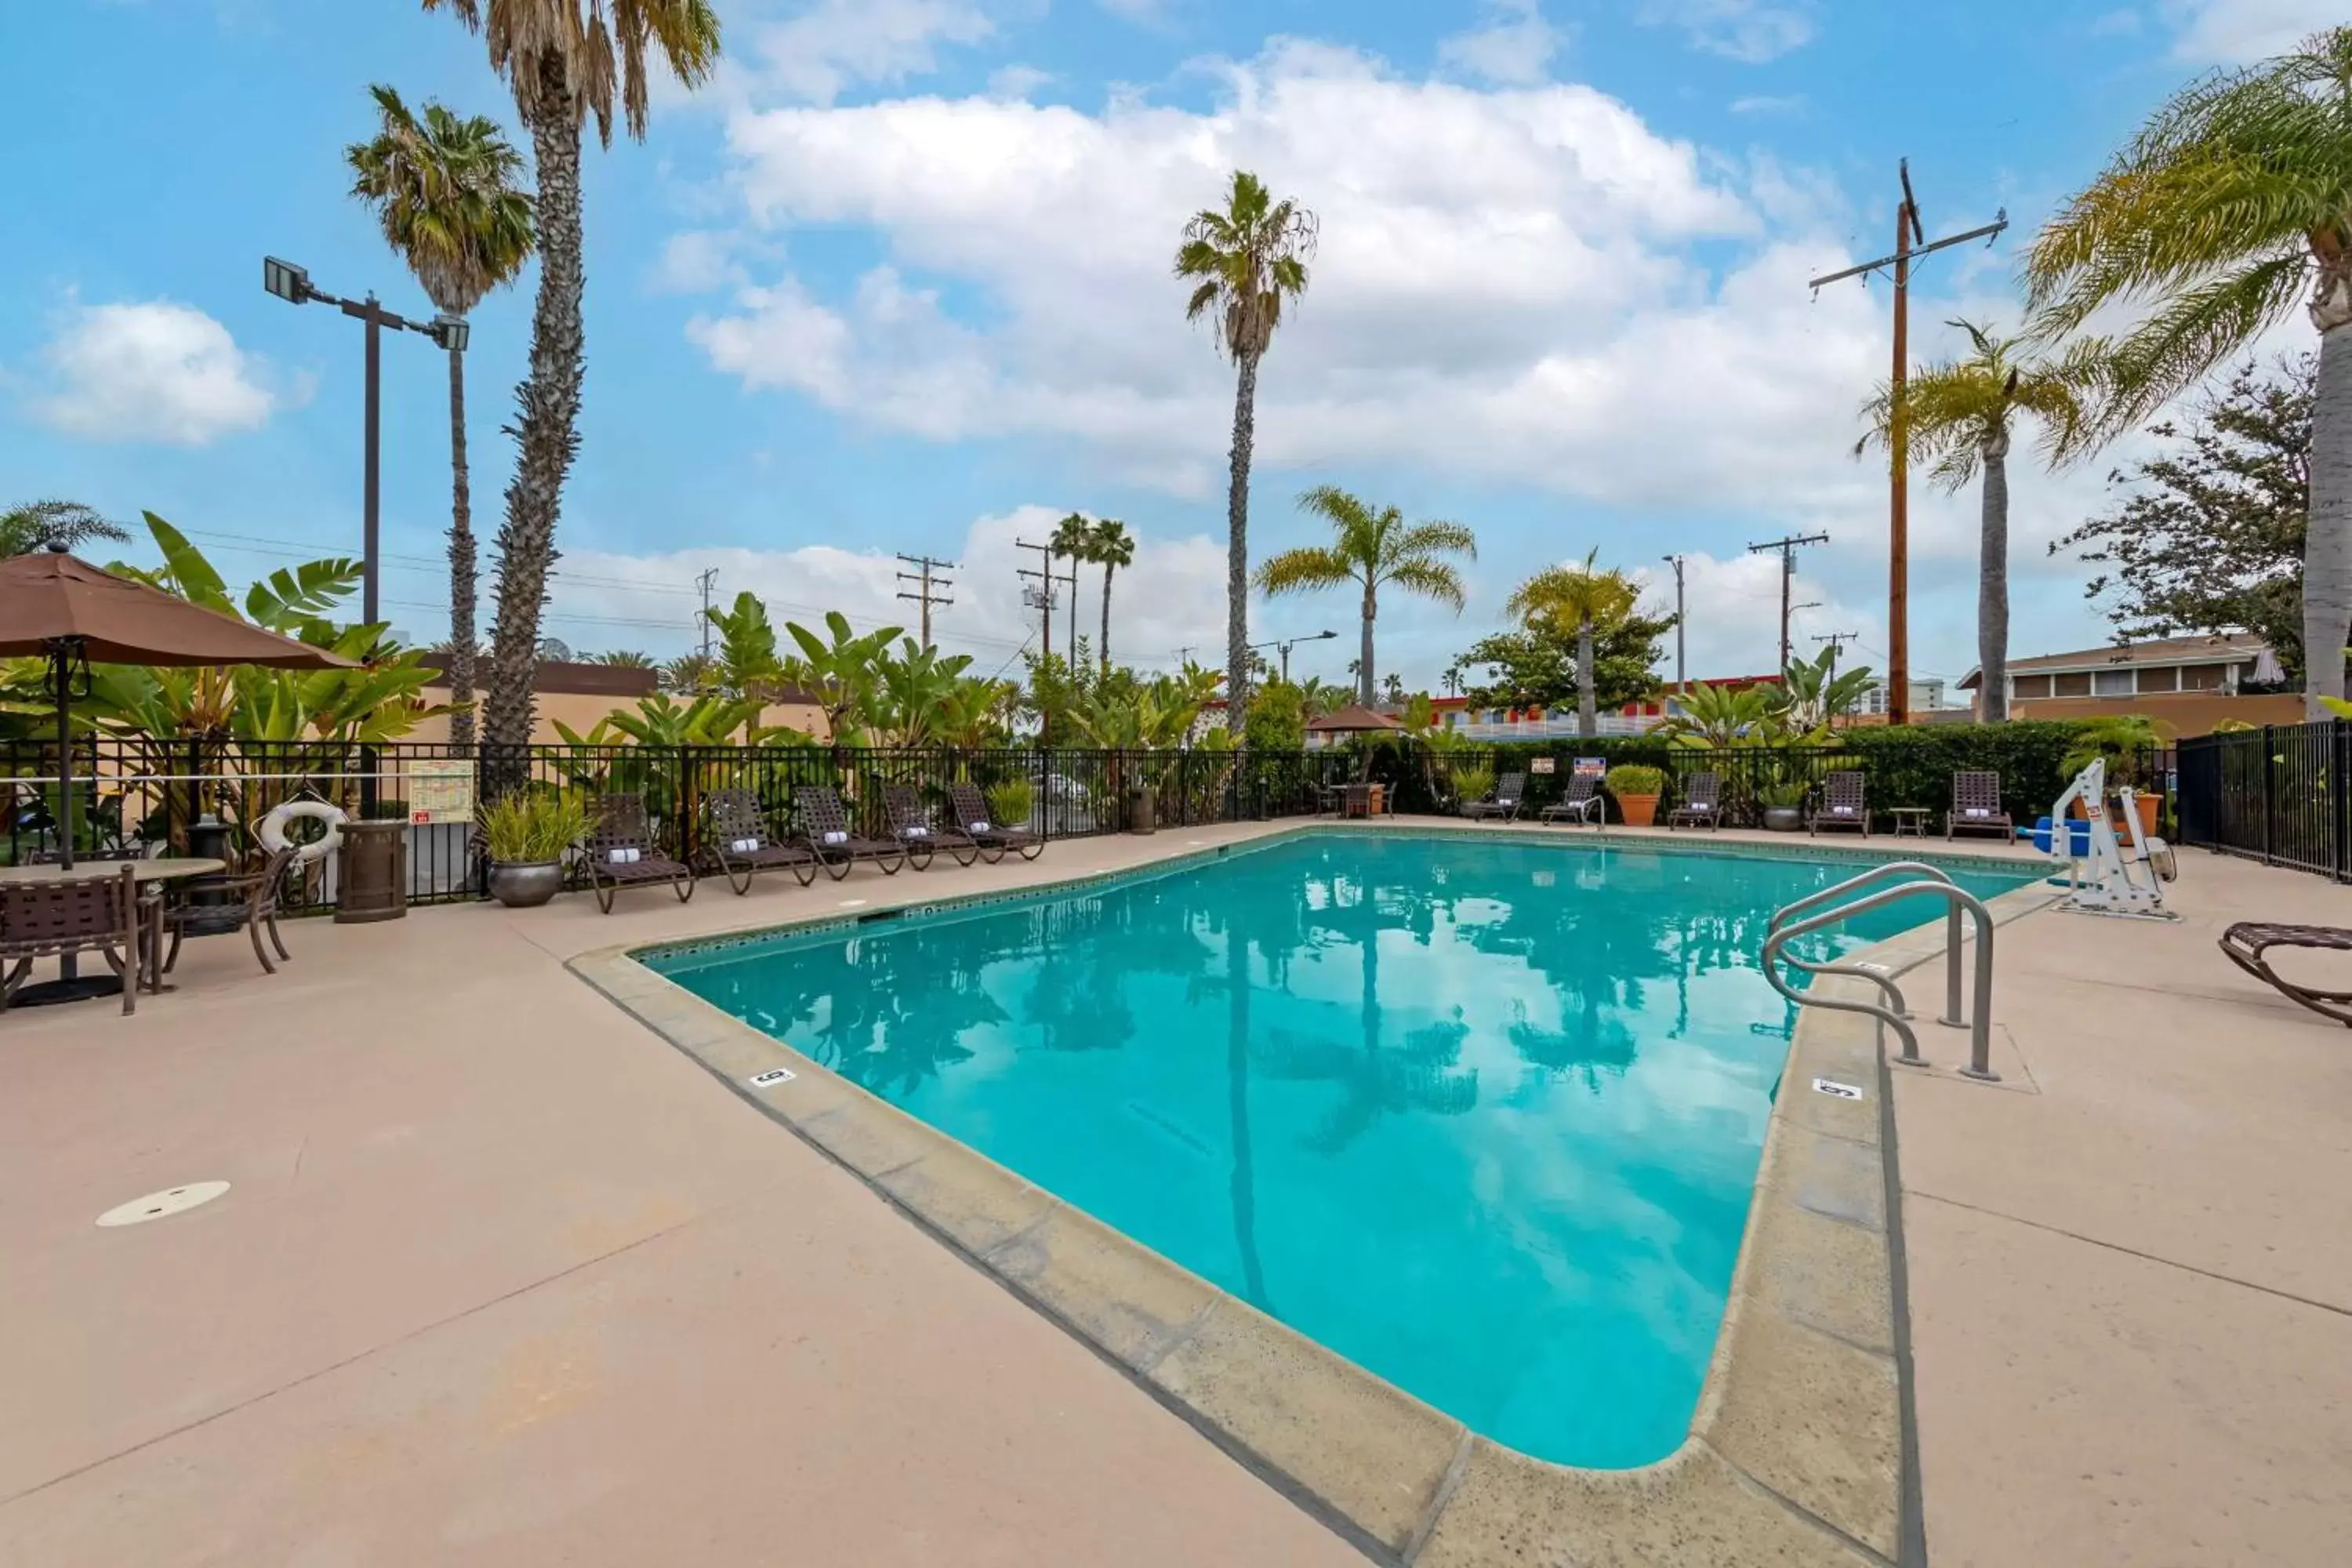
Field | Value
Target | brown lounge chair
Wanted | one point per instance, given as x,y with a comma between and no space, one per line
2245,943
97,914
971,819
250,901
825,830
737,844
1580,800
1844,805
1976,807
622,853
1702,802
1503,805
911,826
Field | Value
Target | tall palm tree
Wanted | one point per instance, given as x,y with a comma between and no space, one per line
1074,537
1113,550
1244,261
1957,418
445,190
1368,548
565,60
2232,204
38,524
1586,598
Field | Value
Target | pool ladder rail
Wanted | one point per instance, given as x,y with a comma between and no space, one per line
1923,879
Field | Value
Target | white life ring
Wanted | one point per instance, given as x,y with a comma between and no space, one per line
273,828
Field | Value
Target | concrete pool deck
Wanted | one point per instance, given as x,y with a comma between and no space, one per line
504,1279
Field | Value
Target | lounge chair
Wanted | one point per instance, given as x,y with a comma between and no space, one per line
825,830
250,901
2245,943
1504,803
1702,802
910,825
1581,800
97,914
737,844
1843,804
622,853
971,819
1976,807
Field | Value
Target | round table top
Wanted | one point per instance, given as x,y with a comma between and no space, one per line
163,870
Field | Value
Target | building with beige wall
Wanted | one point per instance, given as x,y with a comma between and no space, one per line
581,694
2186,685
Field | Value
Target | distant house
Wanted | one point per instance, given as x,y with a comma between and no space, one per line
581,694
1559,721
2186,684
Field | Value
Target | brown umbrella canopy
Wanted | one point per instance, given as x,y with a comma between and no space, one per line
1353,719
49,601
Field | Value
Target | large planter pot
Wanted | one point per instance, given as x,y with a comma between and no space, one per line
2147,805
1783,818
526,884
1640,810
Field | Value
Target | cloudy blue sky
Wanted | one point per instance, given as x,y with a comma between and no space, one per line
899,280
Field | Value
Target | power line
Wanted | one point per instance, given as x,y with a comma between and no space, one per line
927,594
1787,548
705,582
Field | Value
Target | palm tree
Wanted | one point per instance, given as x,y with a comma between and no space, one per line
622,659
565,60
1245,260
1073,537
1113,549
444,189
2232,204
1957,416
1370,548
1584,597
38,524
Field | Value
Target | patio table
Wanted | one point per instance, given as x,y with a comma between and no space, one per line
70,986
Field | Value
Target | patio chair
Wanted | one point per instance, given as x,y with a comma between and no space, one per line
910,825
972,818
1581,800
247,901
736,841
1843,804
1504,803
1976,806
825,830
622,853
2245,943
1702,802
78,914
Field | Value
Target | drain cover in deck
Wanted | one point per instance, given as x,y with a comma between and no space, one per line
163,1205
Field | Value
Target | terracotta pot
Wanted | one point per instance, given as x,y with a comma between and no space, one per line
1640,810
2147,805
526,884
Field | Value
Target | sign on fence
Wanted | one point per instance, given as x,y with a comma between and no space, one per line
1591,767
440,791
1541,765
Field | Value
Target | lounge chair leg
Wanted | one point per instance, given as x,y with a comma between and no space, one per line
604,891
253,930
278,942
683,886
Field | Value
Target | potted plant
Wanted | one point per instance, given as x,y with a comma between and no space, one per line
1472,782
1011,802
526,834
1783,801
1634,787
2123,743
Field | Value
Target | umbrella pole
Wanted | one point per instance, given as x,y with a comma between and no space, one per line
61,670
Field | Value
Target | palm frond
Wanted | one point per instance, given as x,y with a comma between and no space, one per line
1307,568
1431,579
2194,332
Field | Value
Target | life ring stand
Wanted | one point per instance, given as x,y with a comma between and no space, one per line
272,832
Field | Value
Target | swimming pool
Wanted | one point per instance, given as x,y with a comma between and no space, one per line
1482,1115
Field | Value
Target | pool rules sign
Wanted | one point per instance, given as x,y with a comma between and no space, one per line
440,791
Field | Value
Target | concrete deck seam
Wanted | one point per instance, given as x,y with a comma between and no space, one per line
1796,1510
1446,1484
1835,1218
1911,1491
2135,1252
1807,1323
1183,1336
988,1253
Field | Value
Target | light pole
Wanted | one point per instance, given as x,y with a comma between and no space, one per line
1681,679
292,284
1287,644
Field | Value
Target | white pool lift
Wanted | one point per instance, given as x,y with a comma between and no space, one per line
2101,875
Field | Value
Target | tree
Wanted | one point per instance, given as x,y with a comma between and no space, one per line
1113,549
1276,720
38,524
565,60
1813,692
2232,204
1957,417
2208,536
1587,599
1370,547
1536,666
1244,261
622,659
1073,539
445,190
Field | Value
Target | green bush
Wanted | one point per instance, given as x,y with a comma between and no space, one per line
1472,781
1636,778
1010,803
532,826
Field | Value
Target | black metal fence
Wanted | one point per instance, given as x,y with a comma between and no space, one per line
2276,795
210,797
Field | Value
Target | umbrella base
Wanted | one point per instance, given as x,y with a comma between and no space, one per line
83,988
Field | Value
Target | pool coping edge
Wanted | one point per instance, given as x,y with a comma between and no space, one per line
1800,1451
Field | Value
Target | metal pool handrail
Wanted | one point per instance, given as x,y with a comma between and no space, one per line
1980,1024
1916,868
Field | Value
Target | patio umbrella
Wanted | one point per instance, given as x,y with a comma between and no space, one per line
71,612
1354,719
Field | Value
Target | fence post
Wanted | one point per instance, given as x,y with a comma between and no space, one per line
2270,794
2339,798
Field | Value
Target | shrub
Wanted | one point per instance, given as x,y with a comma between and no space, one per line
1635,778
1010,803
532,826
1472,781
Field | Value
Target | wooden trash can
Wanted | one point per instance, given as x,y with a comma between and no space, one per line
372,880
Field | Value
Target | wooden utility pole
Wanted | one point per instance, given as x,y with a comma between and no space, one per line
1041,597
1910,243
1787,548
928,591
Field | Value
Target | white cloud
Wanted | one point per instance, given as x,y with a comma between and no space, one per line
1752,31
1017,80
153,371
696,262
1768,103
2238,32
1514,45
1732,612
836,45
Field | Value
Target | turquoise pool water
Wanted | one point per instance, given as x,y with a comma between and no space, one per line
1482,1116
